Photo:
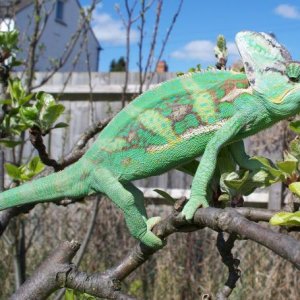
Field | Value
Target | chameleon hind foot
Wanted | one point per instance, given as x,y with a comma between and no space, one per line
151,222
151,240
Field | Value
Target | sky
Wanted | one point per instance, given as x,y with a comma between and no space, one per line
197,27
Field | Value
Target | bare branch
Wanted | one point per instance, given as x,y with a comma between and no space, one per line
229,220
35,38
225,248
36,139
7,214
165,40
57,271
153,44
78,149
82,29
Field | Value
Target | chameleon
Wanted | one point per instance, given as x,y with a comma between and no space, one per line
173,124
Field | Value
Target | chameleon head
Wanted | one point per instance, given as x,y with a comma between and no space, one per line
292,96
271,71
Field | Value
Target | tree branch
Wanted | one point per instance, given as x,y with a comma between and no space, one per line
78,149
225,248
233,221
57,271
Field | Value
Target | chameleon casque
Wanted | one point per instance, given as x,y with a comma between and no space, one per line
171,125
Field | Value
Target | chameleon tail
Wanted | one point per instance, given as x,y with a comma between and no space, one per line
70,182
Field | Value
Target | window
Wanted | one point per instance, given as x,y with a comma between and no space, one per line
59,10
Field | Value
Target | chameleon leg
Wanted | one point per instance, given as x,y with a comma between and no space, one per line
138,198
189,168
240,156
208,163
128,200
140,204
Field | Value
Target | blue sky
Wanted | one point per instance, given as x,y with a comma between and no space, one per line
197,27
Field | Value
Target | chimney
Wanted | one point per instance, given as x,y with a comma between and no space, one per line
161,67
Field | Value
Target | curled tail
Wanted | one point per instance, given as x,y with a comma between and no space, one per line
71,182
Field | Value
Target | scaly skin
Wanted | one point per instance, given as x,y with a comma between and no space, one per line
172,124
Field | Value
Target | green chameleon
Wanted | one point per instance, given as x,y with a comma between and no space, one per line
169,126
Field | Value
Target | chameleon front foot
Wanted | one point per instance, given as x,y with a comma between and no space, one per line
191,206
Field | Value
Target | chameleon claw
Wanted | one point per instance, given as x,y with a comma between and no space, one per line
149,238
151,222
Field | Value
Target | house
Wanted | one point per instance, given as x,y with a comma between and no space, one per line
66,41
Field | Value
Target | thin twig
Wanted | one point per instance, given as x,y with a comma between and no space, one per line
85,242
225,248
165,40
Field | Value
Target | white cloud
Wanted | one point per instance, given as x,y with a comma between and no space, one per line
110,31
203,50
288,11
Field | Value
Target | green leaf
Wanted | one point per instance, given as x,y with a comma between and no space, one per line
51,114
234,181
7,101
36,165
295,126
69,294
76,295
12,171
49,111
29,113
286,219
261,177
269,166
244,182
25,99
295,188
44,100
16,90
295,147
165,195
289,165
29,116
61,125
10,143
224,197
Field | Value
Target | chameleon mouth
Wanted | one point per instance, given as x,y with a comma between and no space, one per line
282,97
293,91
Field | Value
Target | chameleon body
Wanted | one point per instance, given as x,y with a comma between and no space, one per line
171,125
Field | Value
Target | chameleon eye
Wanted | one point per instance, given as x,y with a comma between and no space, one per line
293,71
